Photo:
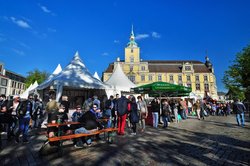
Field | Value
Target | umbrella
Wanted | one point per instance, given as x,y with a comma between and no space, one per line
163,89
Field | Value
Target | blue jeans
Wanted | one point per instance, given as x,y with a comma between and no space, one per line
183,114
165,120
240,118
24,127
155,119
80,131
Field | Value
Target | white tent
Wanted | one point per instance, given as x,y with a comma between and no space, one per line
75,75
46,82
119,80
26,93
56,71
96,76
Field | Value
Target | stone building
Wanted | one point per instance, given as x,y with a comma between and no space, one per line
11,83
192,73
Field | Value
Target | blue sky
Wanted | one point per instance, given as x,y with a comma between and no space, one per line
41,34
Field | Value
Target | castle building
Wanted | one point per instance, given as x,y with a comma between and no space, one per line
11,83
192,73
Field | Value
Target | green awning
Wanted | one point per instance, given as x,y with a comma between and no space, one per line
163,89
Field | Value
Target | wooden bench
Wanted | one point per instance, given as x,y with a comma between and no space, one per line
61,138
73,136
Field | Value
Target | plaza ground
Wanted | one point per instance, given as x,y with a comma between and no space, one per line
215,141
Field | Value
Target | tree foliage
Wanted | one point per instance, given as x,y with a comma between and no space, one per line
36,75
237,77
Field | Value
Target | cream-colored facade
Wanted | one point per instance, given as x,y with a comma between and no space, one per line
11,83
195,74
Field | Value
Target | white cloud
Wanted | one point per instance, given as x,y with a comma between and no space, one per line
24,45
141,36
105,54
51,30
20,23
46,10
19,52
156,35
116,41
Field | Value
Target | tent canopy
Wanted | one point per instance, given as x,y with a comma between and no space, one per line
163,89
96,76
75,75
119,80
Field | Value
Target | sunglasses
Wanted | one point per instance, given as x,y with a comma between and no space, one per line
94,107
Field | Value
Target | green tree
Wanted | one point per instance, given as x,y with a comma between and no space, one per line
36,75
237,77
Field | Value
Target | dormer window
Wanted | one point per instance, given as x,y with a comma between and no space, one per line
188,68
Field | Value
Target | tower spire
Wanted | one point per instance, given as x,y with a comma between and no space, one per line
132,30
132,42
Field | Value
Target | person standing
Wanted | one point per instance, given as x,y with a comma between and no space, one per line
142,112
109,105
52,109
65,102
155,106
114,113
24,113
183,108
12,108
134,118
37,113
165,113
121,109
197,108
239,108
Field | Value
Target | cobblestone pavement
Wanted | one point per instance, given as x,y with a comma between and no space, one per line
214,141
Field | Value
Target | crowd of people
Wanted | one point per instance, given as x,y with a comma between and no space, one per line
17,117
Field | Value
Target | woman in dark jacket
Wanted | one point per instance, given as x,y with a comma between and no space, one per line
155,105
134,118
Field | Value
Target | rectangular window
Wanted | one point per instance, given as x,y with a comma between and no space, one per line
150,78
206,87
132,50
189,85
180,84
159,77
1,68
3,91
198,87
131,59
179,78
171,78
197,78
4,82
205,78
142,77
187,68
12,84
188,78
143,68
132,78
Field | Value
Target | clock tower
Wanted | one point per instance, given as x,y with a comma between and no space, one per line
132,51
